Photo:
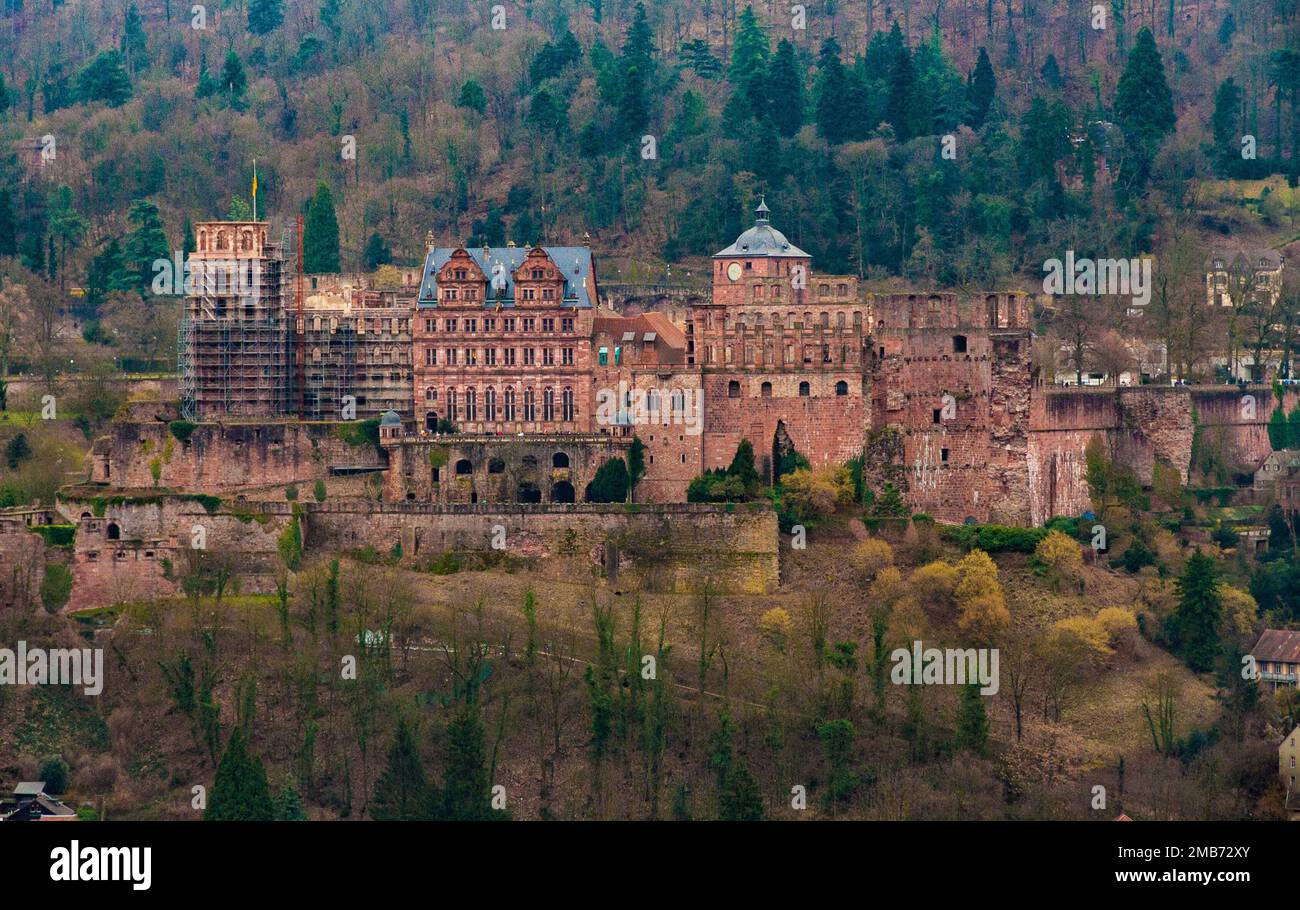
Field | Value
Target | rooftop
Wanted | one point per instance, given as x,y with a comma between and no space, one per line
500,263
762,240
1281,645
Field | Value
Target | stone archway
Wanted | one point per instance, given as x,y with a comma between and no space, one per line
562,492
782,446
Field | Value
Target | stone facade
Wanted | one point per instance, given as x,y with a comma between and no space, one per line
22,564
475,468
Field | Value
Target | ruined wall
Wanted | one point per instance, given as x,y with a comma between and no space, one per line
952,377
22,565
662,547
468,469
224,457
137,548
1139,425
825,427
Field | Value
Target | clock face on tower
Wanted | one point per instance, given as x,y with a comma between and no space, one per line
733,271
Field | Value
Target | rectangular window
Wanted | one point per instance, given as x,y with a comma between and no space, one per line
528,357
510,323
567,357
548,325
529,322
449,325
430,357
490,356
471,357
471,325
451,357
510,357
566,325
602,356
548,357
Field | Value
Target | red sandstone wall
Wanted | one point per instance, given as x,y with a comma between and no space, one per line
219,458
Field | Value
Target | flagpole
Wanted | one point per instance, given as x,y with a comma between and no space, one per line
254,189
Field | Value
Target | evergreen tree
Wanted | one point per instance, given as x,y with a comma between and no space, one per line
548,113
187,240
610,483
1227,28
104,79
288,804
207,86
1278,431
402,791
830,109
320,242
902,79
240,791
1051,72
1193,627
742,465
748,72
265,16
234,82
633,108
635,463
1226,121
981,89
740,799
146,242
1144,109
376,253
972,721
8,224
466,790
473,97
134,44
785,84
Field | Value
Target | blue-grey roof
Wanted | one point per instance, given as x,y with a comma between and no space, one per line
390,418
762,240
499,263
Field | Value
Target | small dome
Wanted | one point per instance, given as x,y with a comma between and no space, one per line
390,418
762,240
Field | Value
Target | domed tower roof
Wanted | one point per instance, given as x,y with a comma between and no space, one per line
762,240
390,418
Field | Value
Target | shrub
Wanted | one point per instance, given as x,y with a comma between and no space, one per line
57,535
980,599
291,492
55,587
446,564
360,433
870,556
1062,556
289,544
182,429
1090,632
934,583
610,483
54,773
995,538
814,495
318,491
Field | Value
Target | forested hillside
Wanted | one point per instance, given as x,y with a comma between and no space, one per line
653,127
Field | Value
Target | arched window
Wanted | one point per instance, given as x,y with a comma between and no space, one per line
490,404
496,466
113,532
766,390
566,405
530,405
430,394
678,400
560,460
471,404
464,467
453,412
841,388
733,389
510,404
548,404
804,390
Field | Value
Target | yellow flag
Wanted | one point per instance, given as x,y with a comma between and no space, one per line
254,183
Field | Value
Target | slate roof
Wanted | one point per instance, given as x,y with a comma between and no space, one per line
762,241
499,263
1272,257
